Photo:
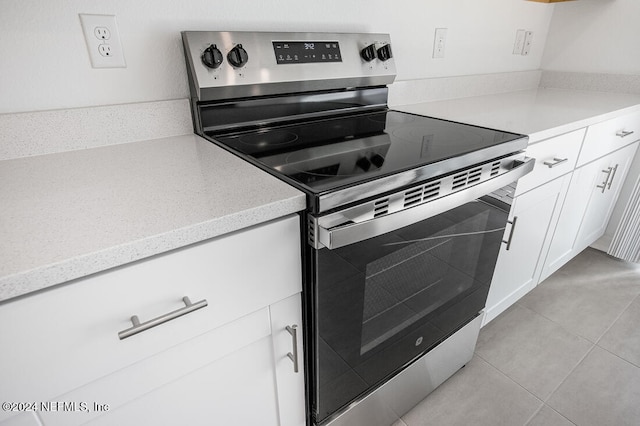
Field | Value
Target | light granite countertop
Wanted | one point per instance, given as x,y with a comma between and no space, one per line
68,215
538,113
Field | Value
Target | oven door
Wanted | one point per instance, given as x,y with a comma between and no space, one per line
380,299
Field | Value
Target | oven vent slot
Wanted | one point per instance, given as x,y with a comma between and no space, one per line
418,195
474,175
413,196
431,190
381,207
466,178
311,231
459,180
495,168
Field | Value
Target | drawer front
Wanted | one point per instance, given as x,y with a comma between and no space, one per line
606,137
68,336
554,157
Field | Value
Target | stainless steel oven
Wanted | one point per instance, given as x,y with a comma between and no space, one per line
395,277
405,213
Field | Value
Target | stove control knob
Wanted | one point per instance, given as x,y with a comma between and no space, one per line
368,53
364,164
237,56
377,160
212,57
384,53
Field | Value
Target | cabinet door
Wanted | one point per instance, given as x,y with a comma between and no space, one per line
290,383
587,208
609,177
236,390
517,268
211,370
566,230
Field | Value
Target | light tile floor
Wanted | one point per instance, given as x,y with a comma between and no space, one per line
568,353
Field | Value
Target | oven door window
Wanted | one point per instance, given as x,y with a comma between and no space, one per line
382,302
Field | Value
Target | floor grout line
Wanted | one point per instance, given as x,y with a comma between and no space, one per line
570,372
508,377
534,414
573,333
615,321
618,356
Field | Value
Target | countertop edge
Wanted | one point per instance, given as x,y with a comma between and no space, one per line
551,132
46,276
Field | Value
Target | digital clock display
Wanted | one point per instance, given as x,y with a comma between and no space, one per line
304,52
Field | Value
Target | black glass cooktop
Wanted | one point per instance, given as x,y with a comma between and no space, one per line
330,153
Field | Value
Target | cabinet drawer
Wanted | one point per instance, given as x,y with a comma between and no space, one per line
68,336
554,157
605,137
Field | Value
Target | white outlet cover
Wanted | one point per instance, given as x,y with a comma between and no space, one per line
94,27
528,39
439,42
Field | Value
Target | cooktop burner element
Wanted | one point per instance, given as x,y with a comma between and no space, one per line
268,139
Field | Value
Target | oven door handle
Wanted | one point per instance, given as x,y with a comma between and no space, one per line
351,233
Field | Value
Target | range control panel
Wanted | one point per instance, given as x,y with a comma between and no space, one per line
304,52
224,65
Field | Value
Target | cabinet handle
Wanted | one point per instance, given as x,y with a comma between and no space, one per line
613,175
513,227
139,327
556,162
624,134
604,184
293,331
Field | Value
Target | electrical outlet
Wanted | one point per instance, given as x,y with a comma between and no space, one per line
518,45
102,33
528,39
105,50
439,42
103,41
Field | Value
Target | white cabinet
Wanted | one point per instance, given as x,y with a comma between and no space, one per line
533,215
566,230
590,200
255,384
65,345
610,174
290,383
560,210
236,390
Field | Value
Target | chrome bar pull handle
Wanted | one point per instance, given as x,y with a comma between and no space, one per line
293,331
138,327
604,184
623,134
613,175
555,162
513,227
